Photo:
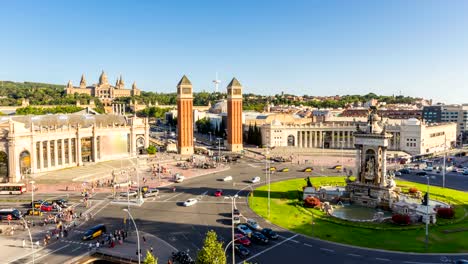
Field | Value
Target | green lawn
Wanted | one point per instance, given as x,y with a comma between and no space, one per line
287,211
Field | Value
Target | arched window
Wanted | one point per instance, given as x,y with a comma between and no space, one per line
25,162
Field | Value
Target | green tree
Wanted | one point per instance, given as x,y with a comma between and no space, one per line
150,259
212,251
152,150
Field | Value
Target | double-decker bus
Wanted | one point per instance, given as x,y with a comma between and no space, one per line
12,188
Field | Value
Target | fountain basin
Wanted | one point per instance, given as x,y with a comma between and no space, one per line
357,213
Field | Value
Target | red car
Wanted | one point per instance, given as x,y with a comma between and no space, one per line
46,208
218,193
241,239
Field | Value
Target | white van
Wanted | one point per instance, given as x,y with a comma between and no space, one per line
179,178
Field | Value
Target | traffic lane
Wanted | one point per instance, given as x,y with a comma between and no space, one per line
453,181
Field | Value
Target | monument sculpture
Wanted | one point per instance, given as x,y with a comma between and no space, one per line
373,187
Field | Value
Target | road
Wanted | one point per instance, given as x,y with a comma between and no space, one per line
185,227
453,180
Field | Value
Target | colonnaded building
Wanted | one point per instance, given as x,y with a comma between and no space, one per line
37,144
412,136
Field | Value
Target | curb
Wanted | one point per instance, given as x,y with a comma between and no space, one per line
351,246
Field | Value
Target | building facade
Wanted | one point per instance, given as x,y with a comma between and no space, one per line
103,89
432,114
185,121
38,144
234,117
411,136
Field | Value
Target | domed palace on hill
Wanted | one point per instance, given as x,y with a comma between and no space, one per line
103,90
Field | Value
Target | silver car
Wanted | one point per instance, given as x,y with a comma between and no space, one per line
152,192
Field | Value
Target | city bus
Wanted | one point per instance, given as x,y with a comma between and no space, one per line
12,188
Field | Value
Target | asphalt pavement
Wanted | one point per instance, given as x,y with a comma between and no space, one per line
184,228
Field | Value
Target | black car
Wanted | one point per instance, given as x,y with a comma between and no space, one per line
421,173
242,251
405,171
259,238
61,202
269,233
94,232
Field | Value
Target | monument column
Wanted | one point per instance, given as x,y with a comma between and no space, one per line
358,162
384,167
234,122
185,116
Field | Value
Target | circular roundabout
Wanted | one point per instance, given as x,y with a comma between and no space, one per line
357,226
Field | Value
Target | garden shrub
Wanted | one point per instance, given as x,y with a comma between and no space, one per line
446,213
312,202
401,219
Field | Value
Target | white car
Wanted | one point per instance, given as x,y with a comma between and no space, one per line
179,178
130,193
236,220
255,179
253,224
151,192
190,202
227,178
397,173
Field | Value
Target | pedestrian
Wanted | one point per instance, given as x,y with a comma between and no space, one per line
151,249
37,243
90,246
97,244
144,239
24,243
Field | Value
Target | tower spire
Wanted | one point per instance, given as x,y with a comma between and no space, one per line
83,81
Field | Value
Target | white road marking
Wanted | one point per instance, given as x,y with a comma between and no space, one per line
327,249
253,166
308,245
173,196
268,249
51,252
382,259
415,262
353,255
75,249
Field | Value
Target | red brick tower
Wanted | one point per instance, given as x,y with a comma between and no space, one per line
185,117
234,118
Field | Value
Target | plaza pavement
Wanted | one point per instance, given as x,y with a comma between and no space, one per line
81,178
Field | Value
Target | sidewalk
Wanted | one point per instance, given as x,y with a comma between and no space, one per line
128,249
86,177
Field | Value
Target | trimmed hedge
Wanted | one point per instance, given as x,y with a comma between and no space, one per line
401,219
447,213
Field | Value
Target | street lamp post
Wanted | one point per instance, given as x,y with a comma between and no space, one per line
219,149
30,238
445,157
267,176
138,235
233,200
427,213
32,195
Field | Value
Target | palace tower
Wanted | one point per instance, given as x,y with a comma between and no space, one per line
185,116
234,119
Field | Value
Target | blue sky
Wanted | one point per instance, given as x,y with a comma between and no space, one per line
418,48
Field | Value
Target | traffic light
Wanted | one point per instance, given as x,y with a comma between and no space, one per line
425,200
